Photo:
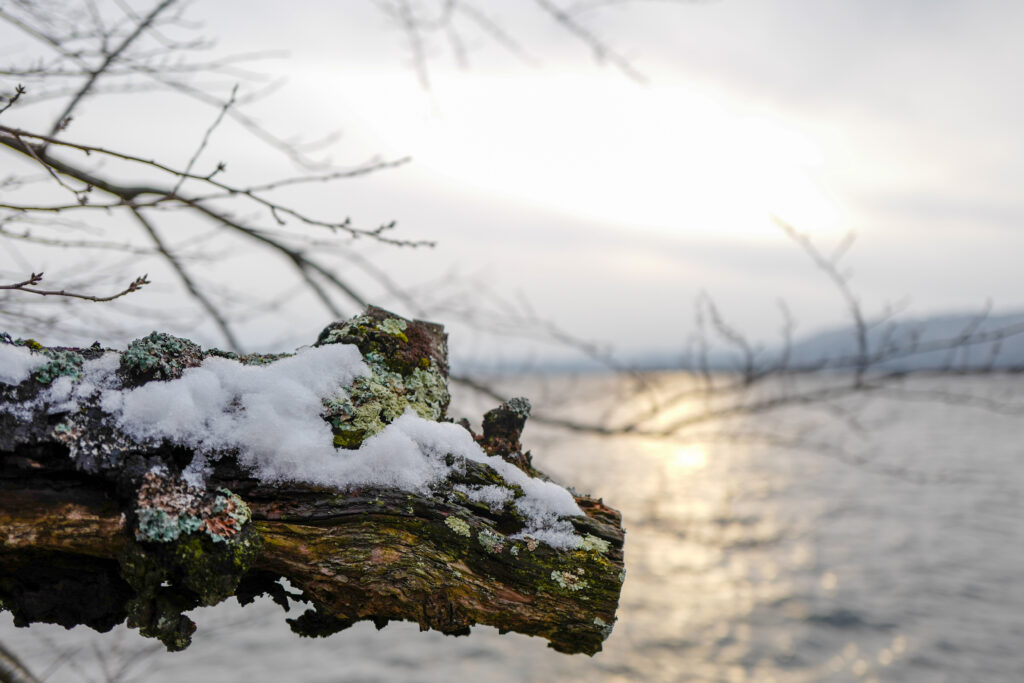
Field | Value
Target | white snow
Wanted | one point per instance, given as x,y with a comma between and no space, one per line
493,496
270,415
17,363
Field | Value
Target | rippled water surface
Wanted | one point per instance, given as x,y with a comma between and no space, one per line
892,549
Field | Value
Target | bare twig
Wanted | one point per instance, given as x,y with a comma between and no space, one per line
412,33
146,22
16,139
189,283
19,90
602,51
202,145
29,286
830,267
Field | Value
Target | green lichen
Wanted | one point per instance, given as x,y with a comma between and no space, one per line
606,628
591,543
64,428
570,581
394,326
159,356
262,358
29,343
171,578
492,541
61,364
248,358
427,393
457,525
185,557
348,331
586,578
520,406
375,400
213,569
401,345
158,526
230,506
154,609
168,510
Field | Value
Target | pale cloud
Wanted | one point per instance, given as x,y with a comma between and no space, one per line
601,200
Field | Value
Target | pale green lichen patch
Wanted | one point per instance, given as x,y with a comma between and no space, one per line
63,430
262,358
407,368
62,364
492,541
458,525
427,393
360,325
393,326
570,581
347,331
591,543
159,356
158,526
375,400
520,406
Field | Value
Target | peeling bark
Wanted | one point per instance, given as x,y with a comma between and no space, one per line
112,541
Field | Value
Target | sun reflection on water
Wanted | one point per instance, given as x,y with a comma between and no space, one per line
744,564
689,458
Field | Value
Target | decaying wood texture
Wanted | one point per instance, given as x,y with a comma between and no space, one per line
97,528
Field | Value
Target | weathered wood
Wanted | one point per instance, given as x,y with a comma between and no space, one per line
85,539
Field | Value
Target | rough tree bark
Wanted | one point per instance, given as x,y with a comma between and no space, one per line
97,527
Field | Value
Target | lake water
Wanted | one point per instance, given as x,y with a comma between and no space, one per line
890,549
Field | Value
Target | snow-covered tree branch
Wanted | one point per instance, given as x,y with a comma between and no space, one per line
141,484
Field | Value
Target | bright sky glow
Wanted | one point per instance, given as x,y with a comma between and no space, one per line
608,150
597,199
678,459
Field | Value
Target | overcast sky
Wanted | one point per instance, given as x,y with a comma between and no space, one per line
610,204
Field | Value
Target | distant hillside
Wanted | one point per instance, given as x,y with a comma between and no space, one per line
908,345
925,344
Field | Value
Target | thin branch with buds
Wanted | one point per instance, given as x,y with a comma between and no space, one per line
29,287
